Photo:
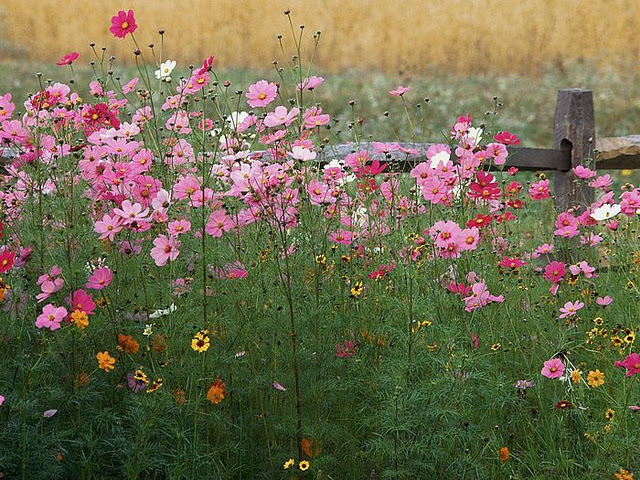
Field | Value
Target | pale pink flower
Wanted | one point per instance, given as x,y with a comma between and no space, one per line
261,94
131,213
108,226
310,83
399,91
164,250
553,368
604,301
218,223
277,386
51,317
583,172
570,309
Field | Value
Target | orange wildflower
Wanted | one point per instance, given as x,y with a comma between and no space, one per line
217,392
128,344
504,454
105,361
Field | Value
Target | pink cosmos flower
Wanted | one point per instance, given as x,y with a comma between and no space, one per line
342,236
218,223
131,213
123,23
7,258
1,400
604,301
506,138
108,226
553,368
68,59
583,172
570,309
178,227
310,83
99,279
51,317
540,190
164,250
81,300
400,91
631,364
261,94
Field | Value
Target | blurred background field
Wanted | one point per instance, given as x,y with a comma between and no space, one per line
458,53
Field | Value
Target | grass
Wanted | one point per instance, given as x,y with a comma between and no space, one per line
528,102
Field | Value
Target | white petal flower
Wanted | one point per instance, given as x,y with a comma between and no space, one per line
605,212
438,158
165,69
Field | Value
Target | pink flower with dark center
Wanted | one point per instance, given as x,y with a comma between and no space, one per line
123,23
99,279
164,250
631,364
51,317
261,94
68,59
553,368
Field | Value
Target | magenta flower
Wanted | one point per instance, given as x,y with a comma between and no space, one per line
631,364
99,279
68,59
553,368
81,300
51,317
261,94
123,23
279,387
164,250
570,308
555,271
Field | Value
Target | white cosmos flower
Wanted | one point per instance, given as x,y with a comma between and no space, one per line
165,69
475,135
438,158
162,313
605,212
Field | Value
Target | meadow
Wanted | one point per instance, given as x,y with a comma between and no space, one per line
189,291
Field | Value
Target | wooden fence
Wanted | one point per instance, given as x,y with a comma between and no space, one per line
574,143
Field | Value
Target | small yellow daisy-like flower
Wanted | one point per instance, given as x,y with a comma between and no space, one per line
595,378
609,414
495,347
303,465
630,336
200,342
598,321
575,376
616,341
321,259
433,347
288,464
606,429
357,289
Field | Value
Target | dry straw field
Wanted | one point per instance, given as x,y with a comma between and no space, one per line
462,36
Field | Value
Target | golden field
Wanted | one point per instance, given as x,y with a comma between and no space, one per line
461,36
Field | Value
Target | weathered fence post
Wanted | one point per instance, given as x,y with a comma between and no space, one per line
574,128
